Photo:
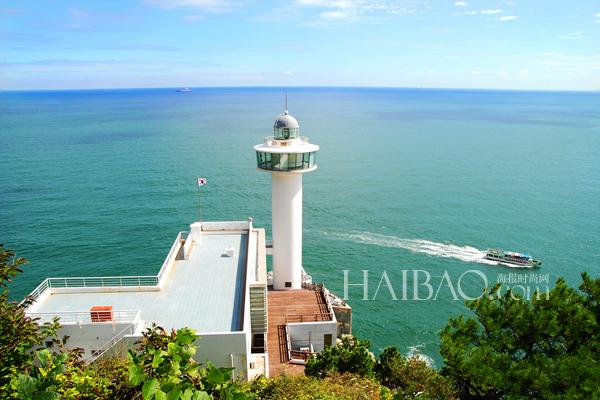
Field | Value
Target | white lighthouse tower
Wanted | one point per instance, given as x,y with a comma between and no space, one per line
287,156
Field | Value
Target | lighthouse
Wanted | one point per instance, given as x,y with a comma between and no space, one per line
287,156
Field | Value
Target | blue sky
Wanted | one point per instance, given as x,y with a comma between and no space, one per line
526,44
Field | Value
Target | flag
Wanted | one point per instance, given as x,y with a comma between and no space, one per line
201,182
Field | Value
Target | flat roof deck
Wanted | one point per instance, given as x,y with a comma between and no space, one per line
205,292
289,306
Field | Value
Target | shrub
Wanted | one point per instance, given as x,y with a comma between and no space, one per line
163,368
410,377
351,355
333,387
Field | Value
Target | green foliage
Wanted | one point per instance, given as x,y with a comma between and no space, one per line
115,372
514,349
410,377
333,387
40,382
18,333
544,348
163,368
351,355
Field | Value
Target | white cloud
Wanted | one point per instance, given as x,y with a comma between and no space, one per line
287,72
460,4
508,18
579,35
597,15
474,72
524,72
192,17
491,11
203,5
349,10
338,15
502,74
466,13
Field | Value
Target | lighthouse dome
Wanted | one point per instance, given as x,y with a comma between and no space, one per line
286,127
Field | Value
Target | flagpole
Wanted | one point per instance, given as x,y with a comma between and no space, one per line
198,189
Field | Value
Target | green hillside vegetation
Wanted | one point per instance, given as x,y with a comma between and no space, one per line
512,349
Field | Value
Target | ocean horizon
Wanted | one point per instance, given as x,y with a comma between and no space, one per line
97,182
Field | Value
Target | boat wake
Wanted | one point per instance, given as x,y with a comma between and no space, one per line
445,250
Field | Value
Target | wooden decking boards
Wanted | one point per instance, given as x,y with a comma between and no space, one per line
302,302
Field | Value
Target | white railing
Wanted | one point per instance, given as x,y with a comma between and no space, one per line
85,317
129,330
93,282
270,140
111,281
39,290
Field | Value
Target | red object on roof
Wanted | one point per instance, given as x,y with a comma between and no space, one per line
101,313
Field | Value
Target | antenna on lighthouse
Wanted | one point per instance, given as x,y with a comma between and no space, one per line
286,109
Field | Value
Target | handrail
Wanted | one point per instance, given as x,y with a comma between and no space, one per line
85,317
39,289
300,139
110,281
307,317
288,343
301,355
129,329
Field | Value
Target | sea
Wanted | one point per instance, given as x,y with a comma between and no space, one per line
412,186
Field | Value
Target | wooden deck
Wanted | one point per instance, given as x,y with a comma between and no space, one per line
301,306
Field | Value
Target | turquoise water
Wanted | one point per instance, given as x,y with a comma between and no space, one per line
100,182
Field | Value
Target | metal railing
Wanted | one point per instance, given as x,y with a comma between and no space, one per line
270,139
300,355
92,282
85,317
315,317
111,281
129,329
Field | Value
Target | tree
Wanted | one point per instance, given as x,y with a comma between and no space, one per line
411,377
545,348
351,355
18,333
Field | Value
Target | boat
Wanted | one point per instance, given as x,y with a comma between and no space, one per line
184,90
512,259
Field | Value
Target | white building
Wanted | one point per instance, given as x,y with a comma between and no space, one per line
214,280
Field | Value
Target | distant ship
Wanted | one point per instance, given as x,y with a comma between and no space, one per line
511,259
184,90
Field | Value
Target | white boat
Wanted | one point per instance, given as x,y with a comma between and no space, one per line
511,259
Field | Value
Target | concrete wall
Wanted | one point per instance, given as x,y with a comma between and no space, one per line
90,336
307,333
218,348
221,349
343,315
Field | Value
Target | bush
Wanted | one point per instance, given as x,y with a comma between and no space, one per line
163,368
410,377
19,334
333,387
351,355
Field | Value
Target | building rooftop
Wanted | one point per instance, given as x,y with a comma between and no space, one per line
202,287
291,306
